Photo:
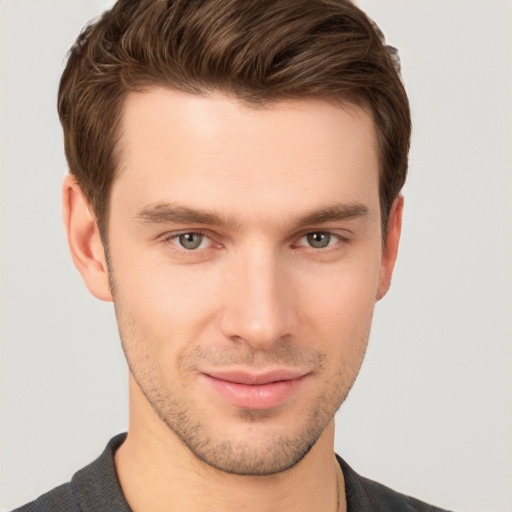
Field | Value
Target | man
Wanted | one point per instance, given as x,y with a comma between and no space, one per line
234,189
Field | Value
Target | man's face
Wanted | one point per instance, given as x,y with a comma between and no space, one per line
245,256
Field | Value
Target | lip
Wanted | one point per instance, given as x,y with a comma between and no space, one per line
251,390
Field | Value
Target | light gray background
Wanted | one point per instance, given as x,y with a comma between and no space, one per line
431,413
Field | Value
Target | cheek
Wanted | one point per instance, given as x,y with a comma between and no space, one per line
339,308
165,301
344,294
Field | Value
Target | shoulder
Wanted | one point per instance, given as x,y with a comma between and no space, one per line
94,487
60,499
365,494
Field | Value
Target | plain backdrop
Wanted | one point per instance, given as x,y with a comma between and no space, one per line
431,412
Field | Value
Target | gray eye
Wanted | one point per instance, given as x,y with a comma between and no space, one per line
318,240
190,241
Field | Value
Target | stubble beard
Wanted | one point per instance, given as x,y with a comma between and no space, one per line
240,457
248,456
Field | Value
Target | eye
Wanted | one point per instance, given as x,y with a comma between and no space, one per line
191,241
319,239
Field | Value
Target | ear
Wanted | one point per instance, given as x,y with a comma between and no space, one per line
390,251
84,239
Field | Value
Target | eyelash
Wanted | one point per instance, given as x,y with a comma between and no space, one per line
174,237
337,237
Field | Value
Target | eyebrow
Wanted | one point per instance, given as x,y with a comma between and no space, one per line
172,213
335,212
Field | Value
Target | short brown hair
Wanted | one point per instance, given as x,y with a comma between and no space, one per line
258,50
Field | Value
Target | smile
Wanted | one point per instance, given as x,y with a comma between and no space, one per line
256,391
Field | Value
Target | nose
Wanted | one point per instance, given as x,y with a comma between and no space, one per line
258,298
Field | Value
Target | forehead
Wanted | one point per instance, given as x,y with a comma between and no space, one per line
216,152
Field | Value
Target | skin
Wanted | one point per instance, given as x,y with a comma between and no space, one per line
258,186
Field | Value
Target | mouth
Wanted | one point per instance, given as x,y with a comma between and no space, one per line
251,390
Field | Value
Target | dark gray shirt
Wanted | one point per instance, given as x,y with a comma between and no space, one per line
96,488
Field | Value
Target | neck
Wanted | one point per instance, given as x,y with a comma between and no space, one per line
158,473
